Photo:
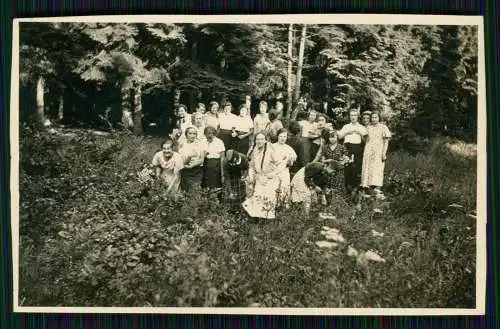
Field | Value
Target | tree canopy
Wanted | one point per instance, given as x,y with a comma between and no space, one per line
422,78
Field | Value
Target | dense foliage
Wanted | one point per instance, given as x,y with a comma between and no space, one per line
92,235
423,78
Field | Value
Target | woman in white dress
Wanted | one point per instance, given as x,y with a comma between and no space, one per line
262,180
374,156
286,157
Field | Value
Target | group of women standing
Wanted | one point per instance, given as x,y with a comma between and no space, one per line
263,166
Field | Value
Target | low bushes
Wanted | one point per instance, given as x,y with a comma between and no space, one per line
93,235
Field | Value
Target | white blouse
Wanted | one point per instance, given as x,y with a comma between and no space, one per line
227,121
244,124
213,149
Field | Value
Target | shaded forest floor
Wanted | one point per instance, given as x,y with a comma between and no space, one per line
90,235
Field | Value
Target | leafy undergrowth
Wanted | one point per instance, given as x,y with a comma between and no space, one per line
92,235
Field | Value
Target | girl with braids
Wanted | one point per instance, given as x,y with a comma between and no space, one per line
262,179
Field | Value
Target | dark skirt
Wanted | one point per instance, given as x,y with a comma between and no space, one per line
243,145
352,171
191,178
211,174
234,187
228,140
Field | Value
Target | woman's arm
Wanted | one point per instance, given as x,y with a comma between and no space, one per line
384,148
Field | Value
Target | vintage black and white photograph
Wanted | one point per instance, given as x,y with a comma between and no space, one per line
288,163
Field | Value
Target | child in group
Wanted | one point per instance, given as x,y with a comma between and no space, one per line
333,154
213,171
167,166
200,108
308,184
353,134
375,154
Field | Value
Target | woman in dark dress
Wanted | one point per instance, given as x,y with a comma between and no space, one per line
235,168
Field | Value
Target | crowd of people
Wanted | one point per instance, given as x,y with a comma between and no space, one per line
263,166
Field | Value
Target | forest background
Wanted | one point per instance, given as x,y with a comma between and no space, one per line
91,234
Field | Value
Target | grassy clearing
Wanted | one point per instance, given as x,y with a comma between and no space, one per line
92,236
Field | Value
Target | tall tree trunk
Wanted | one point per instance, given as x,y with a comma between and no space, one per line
300,63
289,73
40,102
137,117
127,120
60,112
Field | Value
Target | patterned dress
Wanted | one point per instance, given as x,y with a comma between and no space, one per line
263,174
336,179
372,173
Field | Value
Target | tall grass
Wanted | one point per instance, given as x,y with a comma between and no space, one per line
92,236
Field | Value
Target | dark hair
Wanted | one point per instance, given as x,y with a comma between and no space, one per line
242,106
294,127
228,104
208,129
273,115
